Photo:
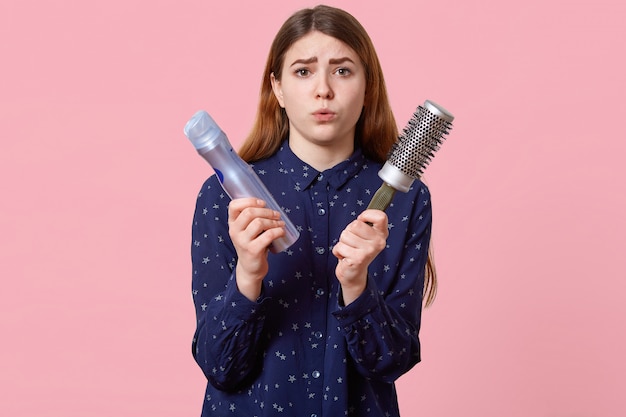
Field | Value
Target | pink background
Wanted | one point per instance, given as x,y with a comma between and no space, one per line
98,185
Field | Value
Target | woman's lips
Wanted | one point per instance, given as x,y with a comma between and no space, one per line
324,115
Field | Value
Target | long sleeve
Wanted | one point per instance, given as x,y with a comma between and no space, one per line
381,327
229,326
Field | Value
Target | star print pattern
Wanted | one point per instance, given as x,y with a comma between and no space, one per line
297,351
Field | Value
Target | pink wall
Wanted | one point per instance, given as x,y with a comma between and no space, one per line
98,184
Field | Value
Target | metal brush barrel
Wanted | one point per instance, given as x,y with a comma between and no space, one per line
412,152
415,147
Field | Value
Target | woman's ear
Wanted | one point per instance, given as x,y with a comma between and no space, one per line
277,89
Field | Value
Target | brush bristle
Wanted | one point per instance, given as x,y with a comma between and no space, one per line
419,140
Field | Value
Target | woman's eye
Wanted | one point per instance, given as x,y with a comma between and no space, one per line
343,71
302,72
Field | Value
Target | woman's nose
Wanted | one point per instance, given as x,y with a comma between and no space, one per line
324,89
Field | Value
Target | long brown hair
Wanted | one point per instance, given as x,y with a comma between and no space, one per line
376,130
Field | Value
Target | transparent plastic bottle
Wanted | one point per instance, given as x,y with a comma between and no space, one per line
237,178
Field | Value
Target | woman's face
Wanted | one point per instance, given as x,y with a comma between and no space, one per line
322,89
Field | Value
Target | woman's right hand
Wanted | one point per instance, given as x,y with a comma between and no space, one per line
252,228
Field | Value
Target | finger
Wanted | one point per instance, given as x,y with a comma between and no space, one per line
260,225
252,213
242,219
236,206
345,252
267,236
351,237
375,218
364,231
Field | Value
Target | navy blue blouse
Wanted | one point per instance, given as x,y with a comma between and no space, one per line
297,351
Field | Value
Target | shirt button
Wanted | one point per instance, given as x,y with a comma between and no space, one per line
320,250
320,291
318,335
321,212
320,177
316,374
313,415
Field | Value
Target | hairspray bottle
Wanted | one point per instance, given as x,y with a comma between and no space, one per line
237,178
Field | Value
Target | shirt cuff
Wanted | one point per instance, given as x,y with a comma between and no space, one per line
240,306
363,305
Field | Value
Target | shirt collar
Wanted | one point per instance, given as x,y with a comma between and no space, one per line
304,175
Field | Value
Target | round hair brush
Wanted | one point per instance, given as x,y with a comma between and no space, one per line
412,152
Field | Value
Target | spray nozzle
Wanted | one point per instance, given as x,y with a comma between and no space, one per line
202,130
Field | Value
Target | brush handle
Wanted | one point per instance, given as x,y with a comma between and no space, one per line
382,198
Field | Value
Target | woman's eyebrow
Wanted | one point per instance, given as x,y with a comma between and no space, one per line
332,61
340,60
304,61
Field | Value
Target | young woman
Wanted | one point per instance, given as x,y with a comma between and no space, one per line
325,327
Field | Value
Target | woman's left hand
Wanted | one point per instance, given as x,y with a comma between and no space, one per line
360,242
